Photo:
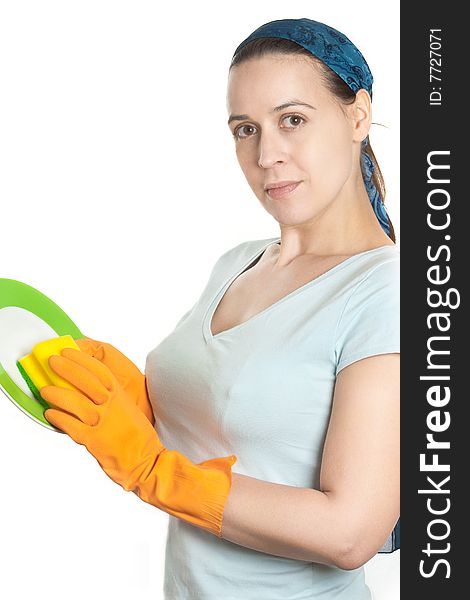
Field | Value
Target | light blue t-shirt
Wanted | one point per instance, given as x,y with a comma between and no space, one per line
263,390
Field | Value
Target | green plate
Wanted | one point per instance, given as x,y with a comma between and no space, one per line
27,317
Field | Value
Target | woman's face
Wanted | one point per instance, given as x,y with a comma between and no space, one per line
275,142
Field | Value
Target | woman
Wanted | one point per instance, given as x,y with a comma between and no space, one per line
289,359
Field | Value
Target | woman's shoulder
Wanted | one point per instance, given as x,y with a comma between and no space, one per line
381,263
245,250
374,278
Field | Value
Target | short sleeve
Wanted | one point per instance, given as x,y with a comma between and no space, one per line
370,321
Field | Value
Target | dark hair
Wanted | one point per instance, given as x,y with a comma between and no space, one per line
338,88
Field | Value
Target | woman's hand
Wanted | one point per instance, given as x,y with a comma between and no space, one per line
102,416
126,372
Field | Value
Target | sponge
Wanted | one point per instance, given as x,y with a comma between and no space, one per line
35,368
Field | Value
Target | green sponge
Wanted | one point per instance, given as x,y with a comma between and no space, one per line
35,368
32,387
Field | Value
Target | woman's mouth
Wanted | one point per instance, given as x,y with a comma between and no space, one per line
285,190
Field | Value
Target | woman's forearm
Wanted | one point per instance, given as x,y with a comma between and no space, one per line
287,521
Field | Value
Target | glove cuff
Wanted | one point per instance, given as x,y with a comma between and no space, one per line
196,493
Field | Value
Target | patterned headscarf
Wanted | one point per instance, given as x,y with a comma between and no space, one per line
337,52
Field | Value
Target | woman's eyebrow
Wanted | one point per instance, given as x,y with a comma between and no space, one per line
275,109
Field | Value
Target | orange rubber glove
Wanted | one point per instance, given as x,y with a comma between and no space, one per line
101,416
131,379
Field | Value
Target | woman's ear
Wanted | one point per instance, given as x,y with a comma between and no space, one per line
362,115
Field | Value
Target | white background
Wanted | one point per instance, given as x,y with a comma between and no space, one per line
119,189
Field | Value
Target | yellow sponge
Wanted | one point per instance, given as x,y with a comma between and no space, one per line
35,369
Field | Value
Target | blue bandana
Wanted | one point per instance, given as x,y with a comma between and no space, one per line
336,51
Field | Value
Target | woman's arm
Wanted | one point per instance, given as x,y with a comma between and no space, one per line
347,522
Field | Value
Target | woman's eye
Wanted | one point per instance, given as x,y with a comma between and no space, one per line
245,131
240,129
293,118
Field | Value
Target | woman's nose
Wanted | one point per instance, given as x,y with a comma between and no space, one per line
271,150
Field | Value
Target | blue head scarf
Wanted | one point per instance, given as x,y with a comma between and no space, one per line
336,51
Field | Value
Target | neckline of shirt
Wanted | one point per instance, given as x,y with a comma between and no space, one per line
216,300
